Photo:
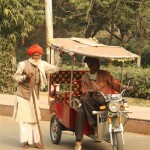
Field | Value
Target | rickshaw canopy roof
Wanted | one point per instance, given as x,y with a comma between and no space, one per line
89,47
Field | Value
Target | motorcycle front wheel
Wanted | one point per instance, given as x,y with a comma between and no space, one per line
117,141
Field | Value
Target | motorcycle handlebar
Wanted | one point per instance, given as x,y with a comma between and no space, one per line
97,92
101,93
123,91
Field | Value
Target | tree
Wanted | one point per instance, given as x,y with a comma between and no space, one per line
18,18
80,18
87,17
142,27
133,24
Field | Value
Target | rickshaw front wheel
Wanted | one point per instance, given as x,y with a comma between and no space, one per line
55,130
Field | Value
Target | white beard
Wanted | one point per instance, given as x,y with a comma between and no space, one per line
35,62
92,76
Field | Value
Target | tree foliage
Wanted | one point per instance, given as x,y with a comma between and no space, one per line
18,18
7,70
124,20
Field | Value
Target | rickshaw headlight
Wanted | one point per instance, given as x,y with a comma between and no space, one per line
114,106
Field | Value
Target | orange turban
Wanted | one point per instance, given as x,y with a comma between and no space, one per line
34,49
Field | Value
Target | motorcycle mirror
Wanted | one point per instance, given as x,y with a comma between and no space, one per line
129,75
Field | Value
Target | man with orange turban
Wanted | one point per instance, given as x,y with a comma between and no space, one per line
34,69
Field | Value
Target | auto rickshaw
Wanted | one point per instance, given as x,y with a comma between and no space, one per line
65,92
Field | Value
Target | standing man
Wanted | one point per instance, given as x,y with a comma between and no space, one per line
32,70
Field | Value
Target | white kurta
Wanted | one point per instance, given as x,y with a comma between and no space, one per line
24,110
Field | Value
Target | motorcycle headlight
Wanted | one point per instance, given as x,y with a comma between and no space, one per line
114,106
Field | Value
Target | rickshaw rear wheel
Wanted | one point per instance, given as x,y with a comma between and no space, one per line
55,130
117,141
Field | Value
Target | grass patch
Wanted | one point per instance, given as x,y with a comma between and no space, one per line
131,101
138,102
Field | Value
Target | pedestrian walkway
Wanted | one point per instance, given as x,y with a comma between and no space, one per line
9,100
139,116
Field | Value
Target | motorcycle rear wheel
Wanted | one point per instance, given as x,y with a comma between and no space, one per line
117,141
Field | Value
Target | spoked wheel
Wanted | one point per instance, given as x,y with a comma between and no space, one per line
55,130
117,141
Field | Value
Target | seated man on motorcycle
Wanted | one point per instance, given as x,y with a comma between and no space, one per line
95,80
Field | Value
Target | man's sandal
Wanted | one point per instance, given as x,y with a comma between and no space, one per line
38,145
26,145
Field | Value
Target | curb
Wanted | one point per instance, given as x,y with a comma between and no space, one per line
6,110
138,126
133,125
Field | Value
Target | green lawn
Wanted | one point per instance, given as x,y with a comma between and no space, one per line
131,101
138,102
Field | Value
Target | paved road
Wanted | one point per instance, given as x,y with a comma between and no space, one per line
9,139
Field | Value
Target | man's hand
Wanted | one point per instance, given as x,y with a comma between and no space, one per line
92,92
30,75
130,88
61,50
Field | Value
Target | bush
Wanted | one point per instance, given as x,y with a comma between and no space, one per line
141,81
7,70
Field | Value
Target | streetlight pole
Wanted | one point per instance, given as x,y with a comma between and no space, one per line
49,30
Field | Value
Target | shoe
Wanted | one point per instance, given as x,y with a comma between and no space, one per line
78,145
38,145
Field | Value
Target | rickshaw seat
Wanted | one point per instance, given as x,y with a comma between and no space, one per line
63,78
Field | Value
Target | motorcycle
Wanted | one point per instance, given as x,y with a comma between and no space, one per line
111,120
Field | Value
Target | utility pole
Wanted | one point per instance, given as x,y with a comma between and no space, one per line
49,30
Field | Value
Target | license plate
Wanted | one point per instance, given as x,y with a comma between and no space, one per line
102,118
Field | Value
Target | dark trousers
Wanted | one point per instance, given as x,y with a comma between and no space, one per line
79,126
89,104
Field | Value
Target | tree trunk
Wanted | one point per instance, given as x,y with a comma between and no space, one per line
139,61
139,58
59,29
13,53
111,31
88,31
110,63
140,46
111,38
